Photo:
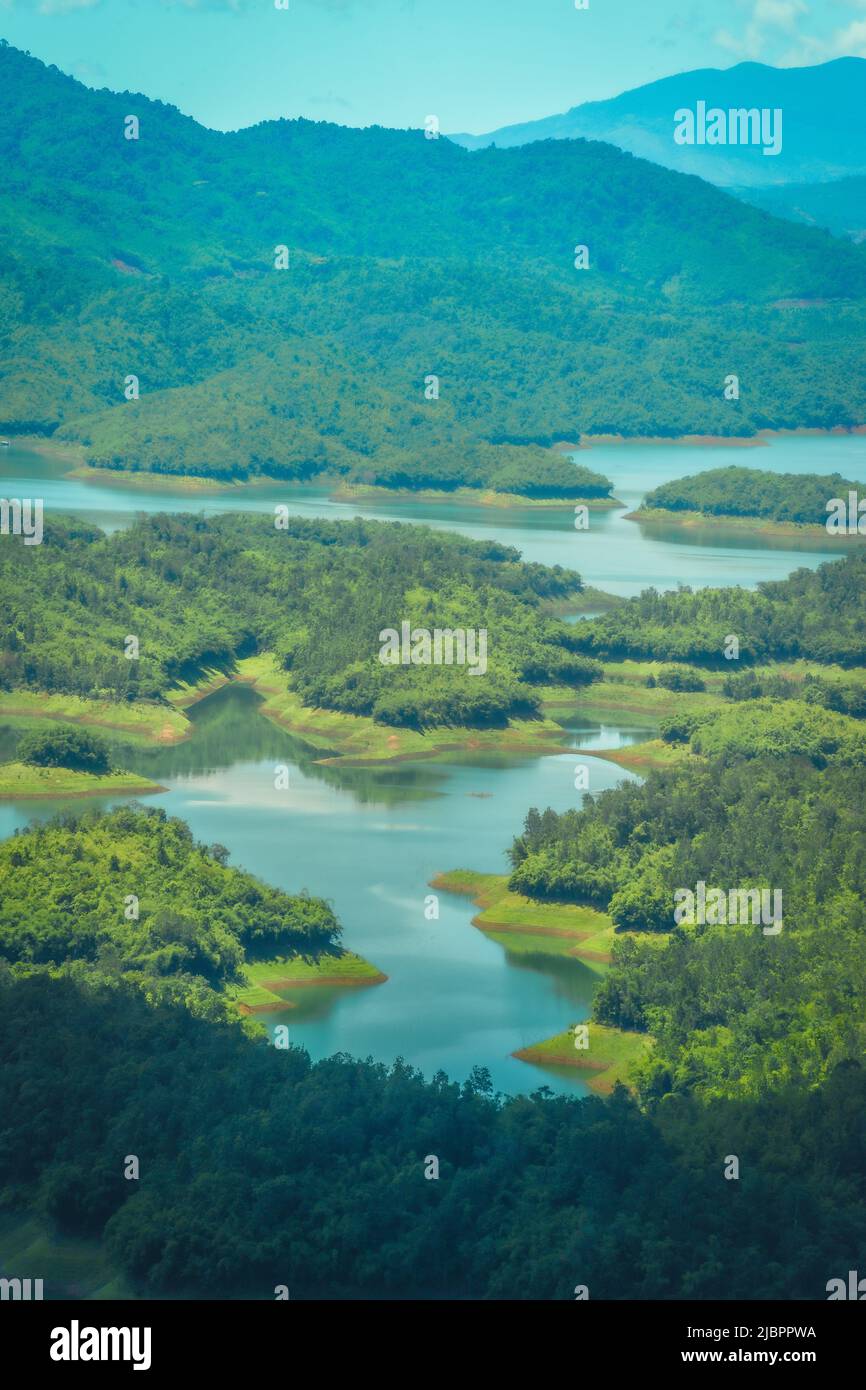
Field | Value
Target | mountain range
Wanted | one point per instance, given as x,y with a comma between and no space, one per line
408,259
824,136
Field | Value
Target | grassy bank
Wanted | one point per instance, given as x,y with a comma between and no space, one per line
264,978
363,493
22,780
525,927
793,531
610,1056
139,721
160,482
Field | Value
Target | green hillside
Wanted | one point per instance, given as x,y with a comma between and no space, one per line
407,258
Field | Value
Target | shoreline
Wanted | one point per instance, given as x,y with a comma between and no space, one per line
51,447
469,497
257,994
612,1052
759,526
760,439
355,740
69,783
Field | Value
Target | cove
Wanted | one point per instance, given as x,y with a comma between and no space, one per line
370,840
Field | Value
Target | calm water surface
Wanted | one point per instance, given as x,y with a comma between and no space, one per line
370,840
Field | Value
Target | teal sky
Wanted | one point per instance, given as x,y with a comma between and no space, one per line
476,64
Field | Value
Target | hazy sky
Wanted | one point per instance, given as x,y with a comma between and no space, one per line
476,64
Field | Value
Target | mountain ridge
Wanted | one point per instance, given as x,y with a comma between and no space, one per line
641,121
411,261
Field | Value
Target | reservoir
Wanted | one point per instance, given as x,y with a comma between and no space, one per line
370,839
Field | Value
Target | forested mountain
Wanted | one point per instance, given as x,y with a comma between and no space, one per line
408,259
200,593
839,205
822,130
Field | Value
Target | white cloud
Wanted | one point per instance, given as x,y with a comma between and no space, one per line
771,35
768,19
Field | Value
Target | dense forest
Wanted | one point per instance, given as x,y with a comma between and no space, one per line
751,492
813,613
432,329
190,917
198,594
535,1195
734,1013
408,259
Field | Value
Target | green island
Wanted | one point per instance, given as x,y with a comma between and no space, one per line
769,504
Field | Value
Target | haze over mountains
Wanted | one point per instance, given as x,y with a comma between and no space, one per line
408,258
824,128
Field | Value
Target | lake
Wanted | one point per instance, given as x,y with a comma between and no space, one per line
370,839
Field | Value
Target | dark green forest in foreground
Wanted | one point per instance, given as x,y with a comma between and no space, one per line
797,497
258,1169
201,593
408,258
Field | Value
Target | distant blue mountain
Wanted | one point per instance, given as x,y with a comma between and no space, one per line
823,125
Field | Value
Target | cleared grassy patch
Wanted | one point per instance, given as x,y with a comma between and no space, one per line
264,978
610,1057
69,1267
140,721
644,757
25,780
525,926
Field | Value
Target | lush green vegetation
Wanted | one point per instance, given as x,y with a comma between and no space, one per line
845,696
534,1196
201,595
131,893
814,613
65,746
733,1012
409,258
677,678
751,492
